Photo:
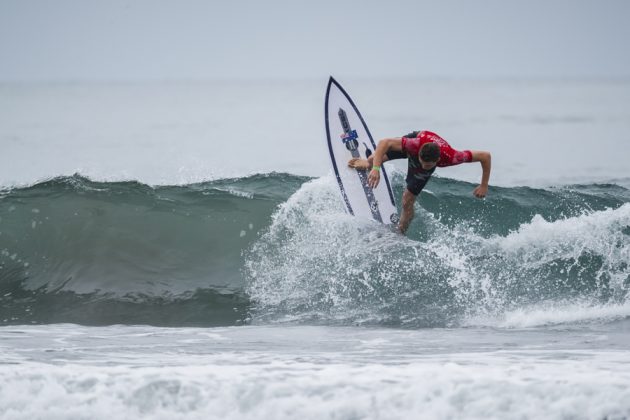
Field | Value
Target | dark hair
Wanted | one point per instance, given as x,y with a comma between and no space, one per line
412,135
430,152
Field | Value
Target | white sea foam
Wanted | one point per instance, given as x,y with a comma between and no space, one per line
563,314
128,372
476,386
600,232
553,313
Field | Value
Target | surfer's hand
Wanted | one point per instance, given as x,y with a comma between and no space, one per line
480,191
358,163
373,178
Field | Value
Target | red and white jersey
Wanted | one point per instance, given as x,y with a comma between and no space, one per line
448,155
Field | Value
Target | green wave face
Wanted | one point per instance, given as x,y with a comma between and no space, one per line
73,250
278,247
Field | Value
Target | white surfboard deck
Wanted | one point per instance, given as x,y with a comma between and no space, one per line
348,137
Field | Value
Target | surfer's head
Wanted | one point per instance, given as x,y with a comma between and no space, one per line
429,155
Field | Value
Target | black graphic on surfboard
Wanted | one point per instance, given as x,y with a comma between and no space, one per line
350,139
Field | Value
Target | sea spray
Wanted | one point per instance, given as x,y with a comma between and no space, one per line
317,264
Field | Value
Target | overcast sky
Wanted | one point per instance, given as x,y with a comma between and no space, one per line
193,39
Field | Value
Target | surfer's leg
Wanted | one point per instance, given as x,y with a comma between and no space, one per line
416,180
408,200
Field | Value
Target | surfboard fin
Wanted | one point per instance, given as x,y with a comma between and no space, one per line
368,152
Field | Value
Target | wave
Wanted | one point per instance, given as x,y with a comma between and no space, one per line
75,250
279,247
463,258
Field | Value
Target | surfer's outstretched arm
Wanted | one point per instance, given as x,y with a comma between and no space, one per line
486,164
378,157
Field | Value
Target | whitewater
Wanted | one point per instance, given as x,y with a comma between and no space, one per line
181,250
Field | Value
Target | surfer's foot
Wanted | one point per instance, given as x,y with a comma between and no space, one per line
358,163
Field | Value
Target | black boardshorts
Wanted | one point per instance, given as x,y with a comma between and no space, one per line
417,179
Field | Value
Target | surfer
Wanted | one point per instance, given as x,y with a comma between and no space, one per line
424,152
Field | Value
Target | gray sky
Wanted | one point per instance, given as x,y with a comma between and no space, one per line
192,39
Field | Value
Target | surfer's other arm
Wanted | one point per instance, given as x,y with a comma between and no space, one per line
380,155
485,158
376,159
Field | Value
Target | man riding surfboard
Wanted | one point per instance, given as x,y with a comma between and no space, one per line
424,151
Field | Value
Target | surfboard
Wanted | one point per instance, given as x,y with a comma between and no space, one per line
349,137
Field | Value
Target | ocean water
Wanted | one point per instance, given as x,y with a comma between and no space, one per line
181,250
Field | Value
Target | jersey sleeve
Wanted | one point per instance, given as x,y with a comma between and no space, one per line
452,157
